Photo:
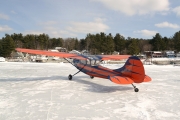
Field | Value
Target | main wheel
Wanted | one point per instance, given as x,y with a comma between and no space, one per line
70,77
136,89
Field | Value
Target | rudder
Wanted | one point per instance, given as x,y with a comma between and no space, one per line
133,69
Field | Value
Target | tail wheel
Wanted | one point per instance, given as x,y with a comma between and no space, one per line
70,77
136,89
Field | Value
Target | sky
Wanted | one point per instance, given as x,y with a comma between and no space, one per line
77,18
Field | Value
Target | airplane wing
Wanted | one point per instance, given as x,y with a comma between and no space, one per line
113,57
50,53
69,55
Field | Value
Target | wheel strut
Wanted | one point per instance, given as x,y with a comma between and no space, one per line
71,76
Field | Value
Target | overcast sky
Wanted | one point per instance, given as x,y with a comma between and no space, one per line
76,18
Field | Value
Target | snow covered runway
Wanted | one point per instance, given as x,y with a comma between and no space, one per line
42,91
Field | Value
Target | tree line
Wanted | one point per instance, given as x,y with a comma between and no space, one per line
95,43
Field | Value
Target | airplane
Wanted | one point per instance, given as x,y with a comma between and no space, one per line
132,71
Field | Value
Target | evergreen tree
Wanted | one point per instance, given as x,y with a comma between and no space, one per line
158,43
176,39
98,44
82,44
102,42
119,42
133,48
109,44
1,50
43,41
94,43
88,42
29,41
76,44
7,46
55,42
166,43
18,39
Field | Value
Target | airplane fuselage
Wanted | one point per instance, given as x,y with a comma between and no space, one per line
94,69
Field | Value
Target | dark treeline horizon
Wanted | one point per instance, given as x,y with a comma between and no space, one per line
95,43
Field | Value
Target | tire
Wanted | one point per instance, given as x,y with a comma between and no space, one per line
70,77
91,77
136,90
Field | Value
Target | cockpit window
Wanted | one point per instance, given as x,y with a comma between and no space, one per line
91,62
95,62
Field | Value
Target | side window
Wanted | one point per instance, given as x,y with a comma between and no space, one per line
88,62
93,62
83,61
97,62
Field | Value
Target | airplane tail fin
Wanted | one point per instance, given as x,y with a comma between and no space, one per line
131,72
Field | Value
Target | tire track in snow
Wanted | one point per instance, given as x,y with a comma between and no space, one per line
48,112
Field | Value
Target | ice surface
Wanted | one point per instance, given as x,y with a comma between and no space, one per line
42,91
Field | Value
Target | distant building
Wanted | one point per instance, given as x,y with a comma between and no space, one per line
115,53
178,54
39,58
61,49
54,57
141,56
75,52
158,54
85,52
169,54
155,54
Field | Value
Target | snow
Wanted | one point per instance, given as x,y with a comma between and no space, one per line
42,91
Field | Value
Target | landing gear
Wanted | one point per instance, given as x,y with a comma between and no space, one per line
70,77
74,63
135,89
91,77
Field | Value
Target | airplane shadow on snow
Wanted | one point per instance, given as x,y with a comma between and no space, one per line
30,78
92,87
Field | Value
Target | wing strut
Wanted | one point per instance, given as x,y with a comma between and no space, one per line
69,61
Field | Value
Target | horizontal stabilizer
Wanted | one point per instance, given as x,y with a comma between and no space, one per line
121,80
147,79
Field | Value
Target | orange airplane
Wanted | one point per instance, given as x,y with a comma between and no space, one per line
132,71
